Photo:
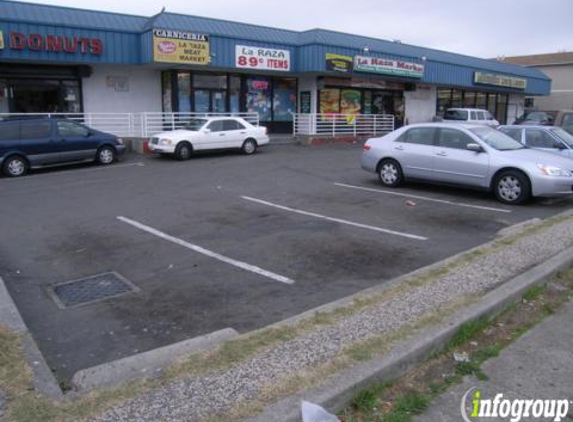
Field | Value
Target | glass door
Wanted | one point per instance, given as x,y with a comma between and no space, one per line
202,101
219,101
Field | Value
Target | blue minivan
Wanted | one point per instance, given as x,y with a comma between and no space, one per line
44,142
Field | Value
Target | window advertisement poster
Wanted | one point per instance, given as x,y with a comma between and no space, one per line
305,102
180,47
350,101
259,97
338,63
330,100
247,57
388,67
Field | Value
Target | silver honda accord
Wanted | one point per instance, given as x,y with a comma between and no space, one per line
468,155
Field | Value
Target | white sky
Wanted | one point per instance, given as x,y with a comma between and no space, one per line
482,28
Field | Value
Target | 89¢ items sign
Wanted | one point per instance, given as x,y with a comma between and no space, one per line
262,58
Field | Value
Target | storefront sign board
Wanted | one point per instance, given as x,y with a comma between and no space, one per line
248,57
499,80
388,67
180,47
338,63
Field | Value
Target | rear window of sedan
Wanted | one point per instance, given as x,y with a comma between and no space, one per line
419,135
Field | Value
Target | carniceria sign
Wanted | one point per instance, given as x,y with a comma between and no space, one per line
180,47
247,57
388,66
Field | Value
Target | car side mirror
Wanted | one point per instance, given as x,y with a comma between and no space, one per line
474,147
207,130
559,145
88,134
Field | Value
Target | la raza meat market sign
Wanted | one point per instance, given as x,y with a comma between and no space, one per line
262,58
180,47
388,67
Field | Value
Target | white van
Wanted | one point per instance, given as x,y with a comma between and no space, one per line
474,116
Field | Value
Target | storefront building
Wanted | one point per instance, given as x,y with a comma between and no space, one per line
55,59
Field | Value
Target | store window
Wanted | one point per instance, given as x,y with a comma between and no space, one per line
469,99
444,101
234,94
457,98
184,92
501,113
167,92
258,97
284,99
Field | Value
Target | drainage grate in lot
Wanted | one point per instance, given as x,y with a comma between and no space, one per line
90,289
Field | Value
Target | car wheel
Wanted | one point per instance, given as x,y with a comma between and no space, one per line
390,173
512,187
106,155
15,166
183,151
249,147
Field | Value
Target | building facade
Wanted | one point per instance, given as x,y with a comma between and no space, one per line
559,67
55,59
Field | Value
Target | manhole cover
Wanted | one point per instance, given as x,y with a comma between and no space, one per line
90,289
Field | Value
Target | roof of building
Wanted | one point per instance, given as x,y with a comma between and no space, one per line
541,59
72,17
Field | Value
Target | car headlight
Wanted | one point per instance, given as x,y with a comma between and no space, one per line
119,141
554,171
165,142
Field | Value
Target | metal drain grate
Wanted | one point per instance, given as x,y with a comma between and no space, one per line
90,289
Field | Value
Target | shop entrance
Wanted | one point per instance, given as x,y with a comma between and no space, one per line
40,96
210,101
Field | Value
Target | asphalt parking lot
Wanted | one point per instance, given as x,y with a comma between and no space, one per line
221,240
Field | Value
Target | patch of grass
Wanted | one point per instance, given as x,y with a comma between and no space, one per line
411,404
466,332
533,292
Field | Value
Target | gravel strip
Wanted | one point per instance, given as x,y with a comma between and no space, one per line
194,398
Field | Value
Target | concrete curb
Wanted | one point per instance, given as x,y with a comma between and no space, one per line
146,364
43,379
337,391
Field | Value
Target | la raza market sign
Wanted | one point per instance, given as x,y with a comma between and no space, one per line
388,67
180,47
499,80
247,57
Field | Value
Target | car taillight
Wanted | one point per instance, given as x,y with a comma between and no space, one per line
366,147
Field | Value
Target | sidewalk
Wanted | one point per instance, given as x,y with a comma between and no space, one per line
537,366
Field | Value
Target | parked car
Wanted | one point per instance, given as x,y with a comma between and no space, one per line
209,134
547,138
560,118
564,119
545,118
32,143
468,155
469,116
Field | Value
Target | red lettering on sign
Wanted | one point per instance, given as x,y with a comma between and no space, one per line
53,44
97,46
70,44
17,41
35,42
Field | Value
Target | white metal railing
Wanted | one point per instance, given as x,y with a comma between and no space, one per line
159,122
120,124
342,124
134,125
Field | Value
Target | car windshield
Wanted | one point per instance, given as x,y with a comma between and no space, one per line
456,115
496,139
195,124
564,136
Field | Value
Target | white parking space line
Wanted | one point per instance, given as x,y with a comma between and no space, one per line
425,198
211,254
335,220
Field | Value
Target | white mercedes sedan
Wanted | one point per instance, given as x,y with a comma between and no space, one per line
210,133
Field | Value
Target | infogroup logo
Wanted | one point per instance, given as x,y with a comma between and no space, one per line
511,409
